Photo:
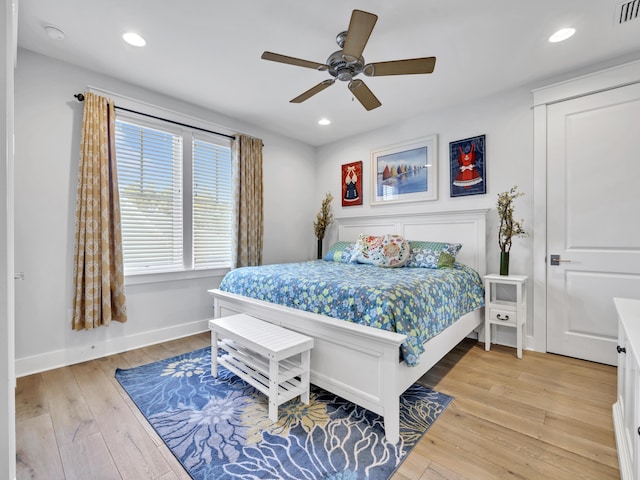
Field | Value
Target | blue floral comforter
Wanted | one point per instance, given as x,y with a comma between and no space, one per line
417,302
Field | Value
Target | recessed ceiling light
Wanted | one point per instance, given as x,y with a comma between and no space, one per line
134,39
562,34
324,121
54,32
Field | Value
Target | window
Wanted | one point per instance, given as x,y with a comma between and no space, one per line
212,205
175,197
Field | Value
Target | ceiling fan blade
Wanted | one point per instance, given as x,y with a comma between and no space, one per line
400,67
276,57
363,94
360,28
312,91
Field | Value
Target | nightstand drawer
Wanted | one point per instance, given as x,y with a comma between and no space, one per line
502,316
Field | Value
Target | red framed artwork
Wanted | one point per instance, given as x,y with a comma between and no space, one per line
352,184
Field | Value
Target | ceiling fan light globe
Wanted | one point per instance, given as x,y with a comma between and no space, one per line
345,75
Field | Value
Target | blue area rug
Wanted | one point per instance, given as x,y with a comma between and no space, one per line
219,428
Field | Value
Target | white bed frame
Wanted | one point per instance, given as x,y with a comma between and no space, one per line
359,363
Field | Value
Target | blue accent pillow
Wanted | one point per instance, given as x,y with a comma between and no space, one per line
432,254
340,252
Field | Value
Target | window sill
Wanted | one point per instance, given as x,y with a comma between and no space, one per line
143,278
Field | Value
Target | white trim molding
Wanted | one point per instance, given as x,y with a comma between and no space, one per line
614,77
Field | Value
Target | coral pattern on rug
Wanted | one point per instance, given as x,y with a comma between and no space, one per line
219,428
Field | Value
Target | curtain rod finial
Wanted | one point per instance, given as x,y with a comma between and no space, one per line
80,97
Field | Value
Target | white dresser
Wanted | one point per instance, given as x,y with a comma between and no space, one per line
626,410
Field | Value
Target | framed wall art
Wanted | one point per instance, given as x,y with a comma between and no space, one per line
352,184
406,172
467,164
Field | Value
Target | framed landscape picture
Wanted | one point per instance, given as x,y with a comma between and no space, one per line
352,184
406,172
467,164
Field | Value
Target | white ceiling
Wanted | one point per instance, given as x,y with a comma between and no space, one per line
207,52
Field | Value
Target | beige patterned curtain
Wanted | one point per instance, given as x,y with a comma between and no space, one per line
248,216
99,295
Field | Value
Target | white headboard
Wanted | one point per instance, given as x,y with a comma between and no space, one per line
467,227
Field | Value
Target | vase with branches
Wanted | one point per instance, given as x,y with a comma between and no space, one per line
509,226
324,218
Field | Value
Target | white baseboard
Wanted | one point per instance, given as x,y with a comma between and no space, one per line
62,358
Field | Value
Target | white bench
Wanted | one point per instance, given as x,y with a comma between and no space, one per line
272,359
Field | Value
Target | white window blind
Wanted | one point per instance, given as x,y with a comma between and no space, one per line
212,204
175,197
150,186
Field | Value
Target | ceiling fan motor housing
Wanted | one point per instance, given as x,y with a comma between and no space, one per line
342,69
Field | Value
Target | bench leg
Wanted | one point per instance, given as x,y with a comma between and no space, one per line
304,378
214,354
273,390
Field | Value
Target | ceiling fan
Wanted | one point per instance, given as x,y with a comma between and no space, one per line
348,62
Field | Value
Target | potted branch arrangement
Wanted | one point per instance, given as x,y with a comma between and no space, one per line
324,218
509,227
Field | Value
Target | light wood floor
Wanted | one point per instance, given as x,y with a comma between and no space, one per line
542,417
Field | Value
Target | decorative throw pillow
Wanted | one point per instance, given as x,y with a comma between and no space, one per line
433,254
382,251
340,252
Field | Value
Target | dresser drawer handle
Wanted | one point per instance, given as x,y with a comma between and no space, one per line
621,349
500,317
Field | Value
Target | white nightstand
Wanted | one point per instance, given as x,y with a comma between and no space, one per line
510,313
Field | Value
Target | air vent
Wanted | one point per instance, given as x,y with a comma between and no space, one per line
627,11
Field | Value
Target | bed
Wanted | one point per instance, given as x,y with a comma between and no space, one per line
361,363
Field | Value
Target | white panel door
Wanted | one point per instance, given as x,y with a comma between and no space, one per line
593,219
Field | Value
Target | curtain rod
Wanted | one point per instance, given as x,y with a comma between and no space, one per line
80,98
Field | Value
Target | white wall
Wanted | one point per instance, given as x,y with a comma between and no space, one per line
507,122
47,133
